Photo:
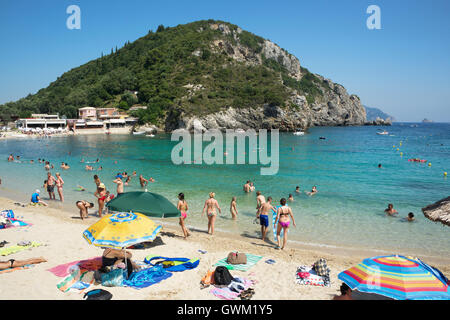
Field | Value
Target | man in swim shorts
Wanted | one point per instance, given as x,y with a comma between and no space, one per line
264,216
51,181
260,200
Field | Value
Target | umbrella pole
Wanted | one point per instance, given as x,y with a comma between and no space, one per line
126,267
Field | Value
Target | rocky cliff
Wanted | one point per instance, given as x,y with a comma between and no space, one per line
328,104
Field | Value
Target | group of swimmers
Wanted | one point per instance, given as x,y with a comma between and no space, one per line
392,212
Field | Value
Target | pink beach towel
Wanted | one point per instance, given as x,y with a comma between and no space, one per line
91,264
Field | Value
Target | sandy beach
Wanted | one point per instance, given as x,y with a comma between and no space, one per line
61,233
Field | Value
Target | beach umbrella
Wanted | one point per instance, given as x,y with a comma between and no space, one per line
121,230
439,211
147,203
397,277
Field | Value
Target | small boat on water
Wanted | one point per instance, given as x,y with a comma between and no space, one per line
139,133
149,135
299,133
383,132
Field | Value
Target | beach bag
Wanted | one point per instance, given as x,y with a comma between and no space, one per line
237,258
222,276
321,268
97,294
7,214
113,278
173,264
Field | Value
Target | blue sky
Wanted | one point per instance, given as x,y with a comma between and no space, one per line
403,69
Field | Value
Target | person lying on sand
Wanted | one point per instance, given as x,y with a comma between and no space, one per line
346,293
19,263
83,205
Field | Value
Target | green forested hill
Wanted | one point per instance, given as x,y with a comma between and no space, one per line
163,66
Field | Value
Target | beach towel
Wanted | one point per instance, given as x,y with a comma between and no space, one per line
147,277
307,276
17,223
64,270
232,291
13,249
251,261
28,266
78,279
173,264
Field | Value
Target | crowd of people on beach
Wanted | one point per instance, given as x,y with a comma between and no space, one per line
264,207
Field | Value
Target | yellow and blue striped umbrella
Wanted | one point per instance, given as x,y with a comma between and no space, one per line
121,230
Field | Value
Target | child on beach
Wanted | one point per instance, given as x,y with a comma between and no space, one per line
35,198
233,208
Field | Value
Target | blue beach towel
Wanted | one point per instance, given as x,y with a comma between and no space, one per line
181,264
147,277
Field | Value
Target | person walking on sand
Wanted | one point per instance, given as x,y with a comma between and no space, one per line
264,216
59,186
119,185
183,207
284,216
51,186
210,207
260,200
233,208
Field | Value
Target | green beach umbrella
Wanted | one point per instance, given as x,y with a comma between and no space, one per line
147,203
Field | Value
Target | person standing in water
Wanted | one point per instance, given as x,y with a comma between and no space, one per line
119,182
260,200
59,186
284,216
390,210
210,207
183,207
233,208
264,216
247,186
51,186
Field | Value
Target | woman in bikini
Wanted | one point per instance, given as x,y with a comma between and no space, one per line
101,195
284,215
83,205
183,207
19,263
210,207
59,186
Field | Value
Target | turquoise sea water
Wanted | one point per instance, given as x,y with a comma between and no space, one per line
347,211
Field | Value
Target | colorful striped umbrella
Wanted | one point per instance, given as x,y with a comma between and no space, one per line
397,277
121,230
